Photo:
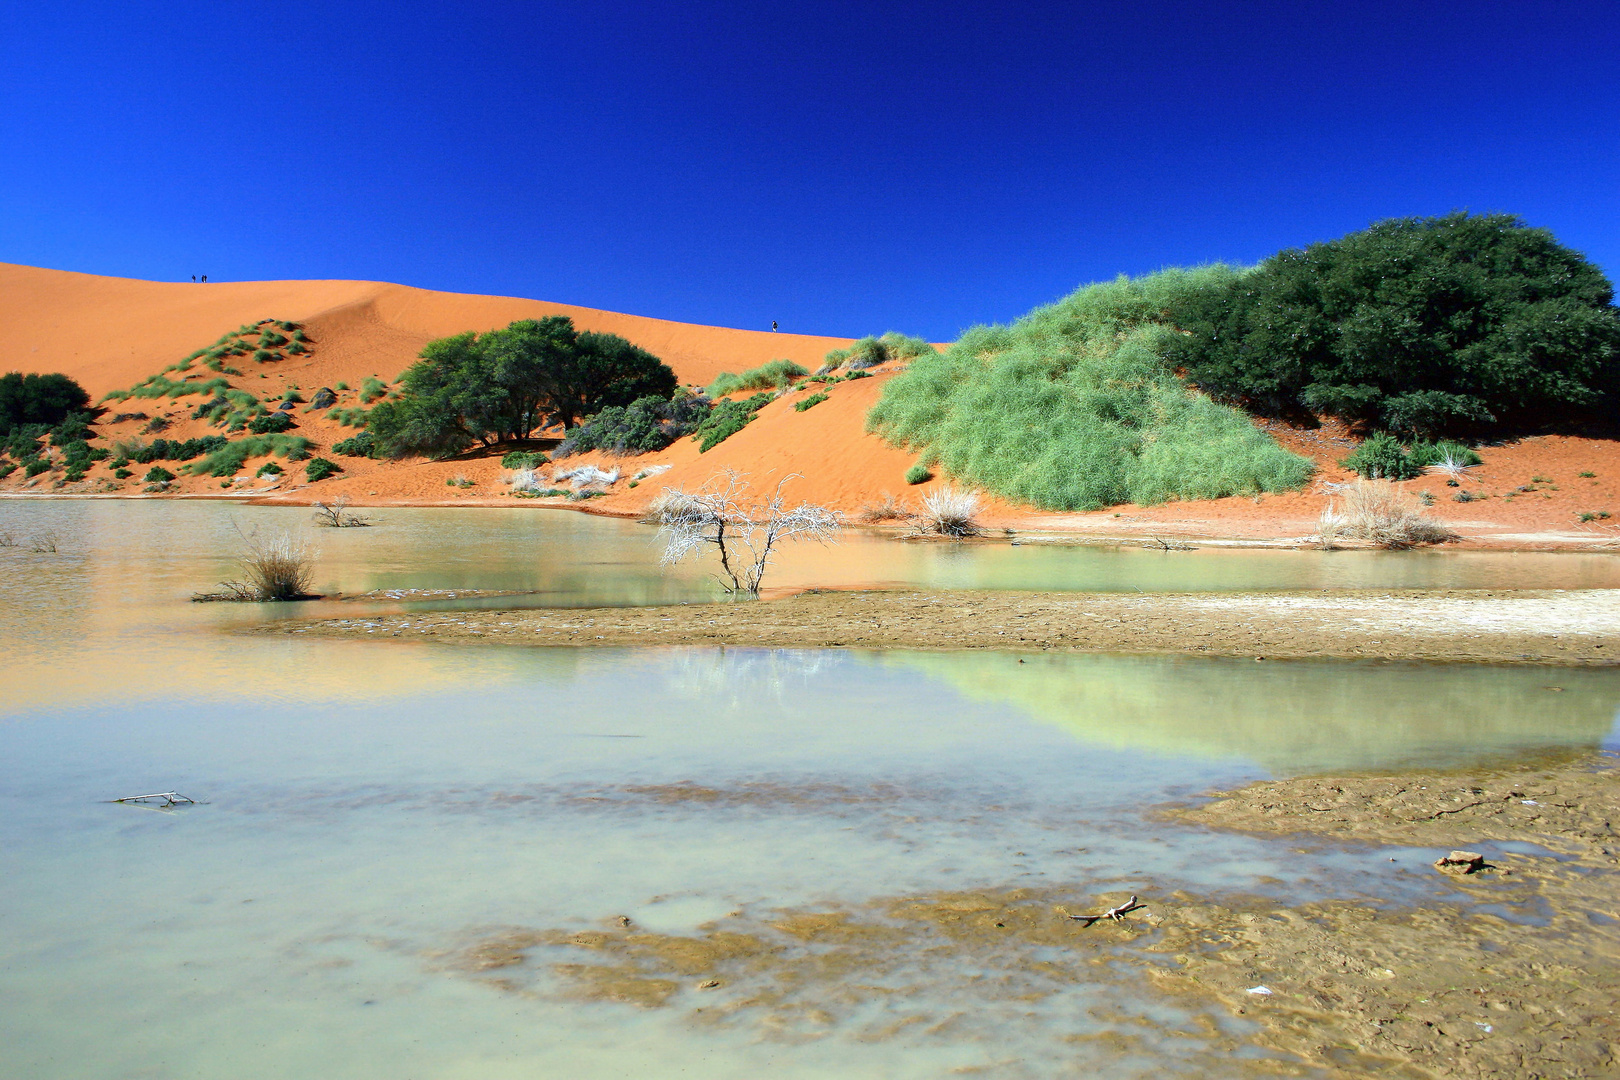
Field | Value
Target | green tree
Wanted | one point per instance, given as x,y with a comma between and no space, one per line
1430,326
38,399
505,384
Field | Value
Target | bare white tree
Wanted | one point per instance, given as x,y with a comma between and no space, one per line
743,530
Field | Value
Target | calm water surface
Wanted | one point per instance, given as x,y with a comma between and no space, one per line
373,808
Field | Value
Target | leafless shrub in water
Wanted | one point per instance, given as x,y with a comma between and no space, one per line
744,531
338,516
8,539
1381,513
279,567
951,511
45,543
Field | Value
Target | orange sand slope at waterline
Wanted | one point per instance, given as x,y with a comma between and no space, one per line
110,333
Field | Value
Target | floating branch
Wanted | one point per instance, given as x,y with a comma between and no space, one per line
170,798
1117,914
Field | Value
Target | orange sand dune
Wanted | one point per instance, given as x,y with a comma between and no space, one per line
110,333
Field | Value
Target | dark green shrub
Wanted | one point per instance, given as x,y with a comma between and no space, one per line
157,474
517,459
364,445
1428,326
320,468
73,473
123,474
296,349
35,466
269,468
726,419
264,356
299,335
7,468
272,340
919,474
75,427
270,423
774,375
644,425
1381,457
1445,451
809,403
38,399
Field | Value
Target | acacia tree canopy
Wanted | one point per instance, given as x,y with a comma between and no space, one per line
1453,325
38,399
504,384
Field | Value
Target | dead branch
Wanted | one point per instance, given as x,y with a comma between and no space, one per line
1115,914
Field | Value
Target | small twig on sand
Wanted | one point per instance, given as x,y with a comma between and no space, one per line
1117,914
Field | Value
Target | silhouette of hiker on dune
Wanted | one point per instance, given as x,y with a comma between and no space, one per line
773,326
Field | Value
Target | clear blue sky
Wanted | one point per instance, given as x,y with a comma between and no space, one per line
840,168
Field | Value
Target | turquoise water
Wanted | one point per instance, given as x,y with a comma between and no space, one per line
373,810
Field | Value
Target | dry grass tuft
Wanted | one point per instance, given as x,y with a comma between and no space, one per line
951,511
670,506
1381,513
887,508
280,567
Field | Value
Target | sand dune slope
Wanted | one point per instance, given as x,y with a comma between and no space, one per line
110,333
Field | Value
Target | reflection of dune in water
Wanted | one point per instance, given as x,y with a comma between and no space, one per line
1297,716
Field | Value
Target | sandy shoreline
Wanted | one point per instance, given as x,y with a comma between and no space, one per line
1570,628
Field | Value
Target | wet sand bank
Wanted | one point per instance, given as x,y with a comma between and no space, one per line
1511,971
1576,628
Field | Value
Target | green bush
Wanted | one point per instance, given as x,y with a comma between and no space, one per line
1073,407
38,399
517,459
372,389
774,375
123,474
296,349
270,423
809,403
1429,326
73,473
919,474
1424,454
228,459
166,450
157,474
7,468
75,427
646,424
34,466
320,468
1381,457
871,351
726,419
362,445
269,468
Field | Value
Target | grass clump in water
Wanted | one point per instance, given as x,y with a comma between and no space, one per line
1073,407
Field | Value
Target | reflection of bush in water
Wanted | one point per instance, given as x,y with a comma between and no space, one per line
739,678
1291,716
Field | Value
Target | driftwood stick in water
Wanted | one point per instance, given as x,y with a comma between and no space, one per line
1117,914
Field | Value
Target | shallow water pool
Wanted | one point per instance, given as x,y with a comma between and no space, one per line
373,814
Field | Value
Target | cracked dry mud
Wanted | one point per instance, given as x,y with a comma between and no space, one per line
1510,972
